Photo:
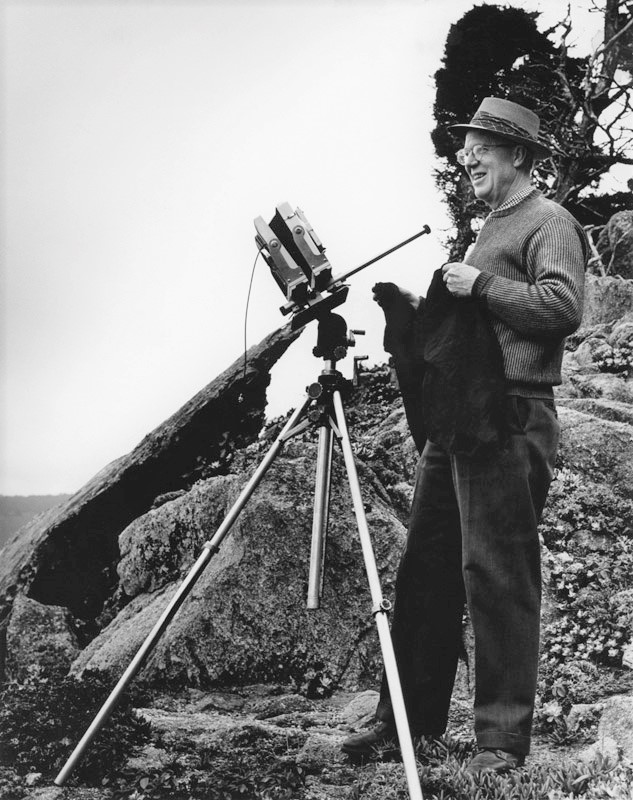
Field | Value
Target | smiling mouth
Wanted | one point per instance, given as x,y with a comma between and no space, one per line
477,176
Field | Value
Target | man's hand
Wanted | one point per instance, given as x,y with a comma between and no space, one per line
459,278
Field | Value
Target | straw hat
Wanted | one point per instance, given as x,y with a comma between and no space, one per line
509,120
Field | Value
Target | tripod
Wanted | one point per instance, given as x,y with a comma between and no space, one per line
323,407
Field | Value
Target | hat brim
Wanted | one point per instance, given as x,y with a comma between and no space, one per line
540,150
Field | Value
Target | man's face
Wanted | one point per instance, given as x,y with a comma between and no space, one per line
495,174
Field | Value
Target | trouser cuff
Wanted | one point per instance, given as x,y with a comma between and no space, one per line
501,740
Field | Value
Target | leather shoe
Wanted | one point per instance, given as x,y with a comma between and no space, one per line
381,737
498,761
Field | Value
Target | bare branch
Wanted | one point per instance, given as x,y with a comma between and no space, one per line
623,91
605,46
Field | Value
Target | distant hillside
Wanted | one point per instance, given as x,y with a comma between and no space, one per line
16,511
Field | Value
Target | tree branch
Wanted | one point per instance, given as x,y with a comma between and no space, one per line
605,46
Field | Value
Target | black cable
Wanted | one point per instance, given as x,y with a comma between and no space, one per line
248,299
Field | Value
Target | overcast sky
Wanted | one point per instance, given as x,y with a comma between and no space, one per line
139,142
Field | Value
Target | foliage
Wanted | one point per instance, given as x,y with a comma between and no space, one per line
443,778
41,719
377,387
588,570
311,680
581,682
618,361
371,401
589,560
11,784
576,506
251,764
588,632
574,686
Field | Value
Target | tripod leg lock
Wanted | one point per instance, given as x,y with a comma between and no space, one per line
384,607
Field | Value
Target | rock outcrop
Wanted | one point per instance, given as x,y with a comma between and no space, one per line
615,244
598,363
68,556
40,639
597,448
606,299
246,617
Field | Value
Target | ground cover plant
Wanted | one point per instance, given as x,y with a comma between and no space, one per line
41,717
443,778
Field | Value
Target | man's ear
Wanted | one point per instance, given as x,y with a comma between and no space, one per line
520,155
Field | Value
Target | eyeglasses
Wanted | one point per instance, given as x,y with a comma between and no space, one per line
478,151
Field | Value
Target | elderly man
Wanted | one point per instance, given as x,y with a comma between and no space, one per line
473,529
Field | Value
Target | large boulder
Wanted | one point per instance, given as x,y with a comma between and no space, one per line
40,639
616,388
599,449
246,617
615,731
606,299
68,556
598,362
615,244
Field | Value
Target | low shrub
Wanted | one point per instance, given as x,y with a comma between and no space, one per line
577,506
618,361
252,764
42,719
588,566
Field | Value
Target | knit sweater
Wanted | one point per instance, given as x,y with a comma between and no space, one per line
532,258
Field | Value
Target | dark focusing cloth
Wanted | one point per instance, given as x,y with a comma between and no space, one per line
449,367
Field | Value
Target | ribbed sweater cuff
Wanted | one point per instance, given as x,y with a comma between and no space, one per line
539,391
481,283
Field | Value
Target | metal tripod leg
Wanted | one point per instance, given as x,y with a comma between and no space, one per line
320,515
177,600
380,608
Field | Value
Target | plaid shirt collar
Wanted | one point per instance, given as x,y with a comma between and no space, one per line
514,200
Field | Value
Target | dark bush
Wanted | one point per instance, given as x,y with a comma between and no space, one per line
42,720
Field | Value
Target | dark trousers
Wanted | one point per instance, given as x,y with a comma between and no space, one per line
473,537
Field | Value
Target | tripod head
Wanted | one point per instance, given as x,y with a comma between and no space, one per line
333,337
333,340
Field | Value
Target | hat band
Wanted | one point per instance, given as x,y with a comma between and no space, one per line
501,125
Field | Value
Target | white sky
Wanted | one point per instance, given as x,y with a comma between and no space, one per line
139,141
